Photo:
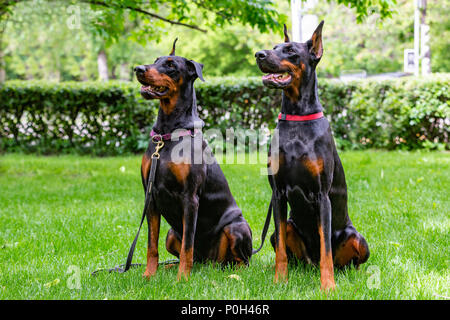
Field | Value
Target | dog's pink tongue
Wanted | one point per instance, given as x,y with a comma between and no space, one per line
268,76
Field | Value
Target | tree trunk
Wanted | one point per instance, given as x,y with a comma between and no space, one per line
2,71
124,72
83,74
2,61
102,62
425,37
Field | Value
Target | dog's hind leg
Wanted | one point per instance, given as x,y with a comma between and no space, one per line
295,247
239,240
173,243
350,247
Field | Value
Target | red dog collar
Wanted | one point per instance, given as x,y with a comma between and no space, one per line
168,136
291,117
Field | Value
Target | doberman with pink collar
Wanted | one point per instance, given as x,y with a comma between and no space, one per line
190,190
307,172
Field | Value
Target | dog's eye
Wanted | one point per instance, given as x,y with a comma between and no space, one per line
290,50
170,64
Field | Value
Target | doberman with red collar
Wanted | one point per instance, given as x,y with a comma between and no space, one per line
190,190
306,171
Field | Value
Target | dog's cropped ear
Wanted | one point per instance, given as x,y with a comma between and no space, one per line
315,43
196,68
286,37
172,53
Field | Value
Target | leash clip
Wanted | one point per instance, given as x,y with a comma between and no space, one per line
194,133
159,145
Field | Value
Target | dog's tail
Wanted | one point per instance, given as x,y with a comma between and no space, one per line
265,229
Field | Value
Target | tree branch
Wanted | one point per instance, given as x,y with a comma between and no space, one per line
154,15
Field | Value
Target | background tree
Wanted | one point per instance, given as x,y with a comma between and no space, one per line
439,22
111,17
68,44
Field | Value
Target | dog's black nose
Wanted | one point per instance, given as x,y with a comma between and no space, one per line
140,69
260,55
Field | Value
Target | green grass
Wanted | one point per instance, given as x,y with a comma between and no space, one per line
58,212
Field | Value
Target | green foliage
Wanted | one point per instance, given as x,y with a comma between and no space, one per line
377,45
111,118
42,41
230,51
374,45
438,12
108,19
403,113
55,52
364,8
38,43
47,34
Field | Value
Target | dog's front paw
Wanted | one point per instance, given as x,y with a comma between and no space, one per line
148,274
328,285
183,275
280,278
281,274
281,266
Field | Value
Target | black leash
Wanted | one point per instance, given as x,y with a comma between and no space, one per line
148,198
265,229
266,224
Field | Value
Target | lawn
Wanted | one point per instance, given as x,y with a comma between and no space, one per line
63,217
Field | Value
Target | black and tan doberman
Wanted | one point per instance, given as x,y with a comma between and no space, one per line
307,171
190,189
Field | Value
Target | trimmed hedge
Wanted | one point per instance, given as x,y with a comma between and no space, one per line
83,117
112,118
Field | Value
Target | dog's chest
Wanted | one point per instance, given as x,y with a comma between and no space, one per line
304,156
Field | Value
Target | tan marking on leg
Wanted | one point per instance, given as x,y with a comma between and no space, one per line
145,166
346,252
152,250
231,247
326,265
173,245
186,263
186,258
281,270
349,250
295,243
222,250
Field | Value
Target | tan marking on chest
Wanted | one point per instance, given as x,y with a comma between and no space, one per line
314,166
180,171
